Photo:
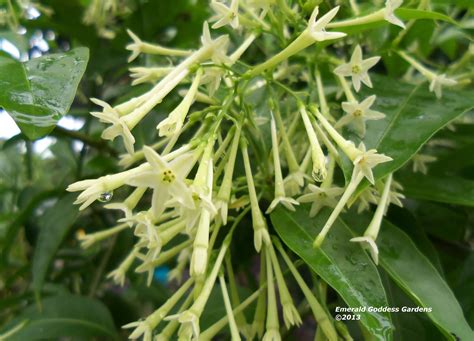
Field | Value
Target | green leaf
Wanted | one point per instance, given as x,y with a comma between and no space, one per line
451,190
61,317
413,116
54,225
343,265
408,326
435,217
39,92
415,274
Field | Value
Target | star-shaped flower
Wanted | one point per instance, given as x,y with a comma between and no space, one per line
317,28
320,197
189,321
119,126
389,12
357,68
94,189
225,15
420,161
438,81
138,46
367,160
367,197
166,179
149,74
285,201
358,114
218,46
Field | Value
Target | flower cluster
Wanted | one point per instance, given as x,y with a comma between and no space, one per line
224,155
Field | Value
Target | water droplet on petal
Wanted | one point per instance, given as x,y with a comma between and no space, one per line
105,196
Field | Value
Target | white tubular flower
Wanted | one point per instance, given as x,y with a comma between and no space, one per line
118,275
317,28
134,110
315,32
102,188
225,15
174,122
201,241
346,146
212,79
294,181
272,325
369,243
138,46
358,114
149,74
218,47
437,81
367,197
420,161
258,221
319,171
119,128
290,313
166,179
357,68
176,274
389,12
368,160
87,240
223,196
370,235
280,195
189,318
129,204
320,197
395,197
319,312
356,178
147,326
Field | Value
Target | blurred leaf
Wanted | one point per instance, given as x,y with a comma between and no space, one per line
64,316
451,190
414,273
343,265
435,217
54,225
407,222
39,92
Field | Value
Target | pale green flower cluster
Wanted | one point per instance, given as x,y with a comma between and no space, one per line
185,192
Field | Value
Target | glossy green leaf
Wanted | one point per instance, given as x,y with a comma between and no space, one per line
451,190
61,317
408,326
39,92
415,274
413,116
54,225
343,265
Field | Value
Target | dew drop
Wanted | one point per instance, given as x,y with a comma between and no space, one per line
105,196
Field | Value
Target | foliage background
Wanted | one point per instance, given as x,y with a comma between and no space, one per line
40,257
